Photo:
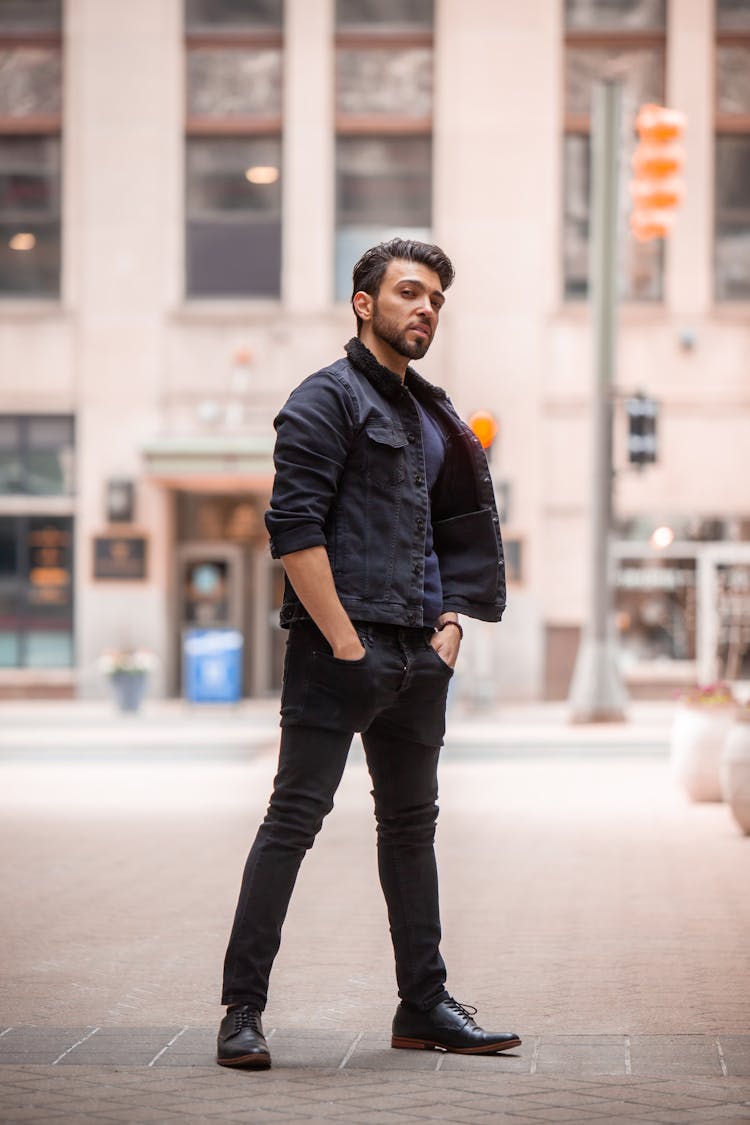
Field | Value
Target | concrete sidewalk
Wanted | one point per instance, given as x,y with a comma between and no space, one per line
585,905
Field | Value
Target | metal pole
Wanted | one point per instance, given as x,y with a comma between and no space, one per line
597,693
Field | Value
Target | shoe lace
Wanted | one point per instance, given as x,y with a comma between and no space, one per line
247,1017
465,1010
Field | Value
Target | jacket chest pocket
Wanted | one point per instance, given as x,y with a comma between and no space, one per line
386,454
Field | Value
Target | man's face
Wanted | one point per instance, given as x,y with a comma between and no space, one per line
407,308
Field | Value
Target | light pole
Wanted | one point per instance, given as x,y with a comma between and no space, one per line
597,693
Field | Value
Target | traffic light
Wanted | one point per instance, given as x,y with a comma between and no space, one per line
643,413
657,190
484,427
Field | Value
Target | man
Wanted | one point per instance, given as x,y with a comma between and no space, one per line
383,516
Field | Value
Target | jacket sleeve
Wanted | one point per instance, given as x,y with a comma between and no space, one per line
314,433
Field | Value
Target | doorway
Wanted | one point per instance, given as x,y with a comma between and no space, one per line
226,578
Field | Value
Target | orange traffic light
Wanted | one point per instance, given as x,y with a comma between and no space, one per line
657,190
484,427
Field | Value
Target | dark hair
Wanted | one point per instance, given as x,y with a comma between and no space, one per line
368,272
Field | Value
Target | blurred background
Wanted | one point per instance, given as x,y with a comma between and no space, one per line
184,188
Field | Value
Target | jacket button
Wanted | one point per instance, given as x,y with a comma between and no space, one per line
417,568
420,523
410,437
419,480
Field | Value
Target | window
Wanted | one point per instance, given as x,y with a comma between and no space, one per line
233,150
732,161
608,38
36,591
383,126
656,610
36,455
30,125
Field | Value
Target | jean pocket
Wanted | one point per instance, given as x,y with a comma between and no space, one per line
339,692
444,666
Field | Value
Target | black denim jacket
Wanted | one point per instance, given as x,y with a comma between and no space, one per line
350,476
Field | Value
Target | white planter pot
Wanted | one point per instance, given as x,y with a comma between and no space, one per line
735,771
698,735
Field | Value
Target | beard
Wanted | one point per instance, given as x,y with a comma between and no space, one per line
389,332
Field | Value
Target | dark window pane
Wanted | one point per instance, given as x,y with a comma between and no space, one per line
30,81
36,591
410,13
229,82
8,547
10,457
733,79
732,192
37,455
384,180
242,14
30,15
733,15
384,80
640,68
234,217
383,188
29,215
49,591
640,262
615,15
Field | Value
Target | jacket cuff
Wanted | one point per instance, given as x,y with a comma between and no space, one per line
299,539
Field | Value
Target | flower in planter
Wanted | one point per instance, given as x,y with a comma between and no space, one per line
127,661
718,694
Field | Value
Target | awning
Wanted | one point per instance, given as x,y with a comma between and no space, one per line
211,462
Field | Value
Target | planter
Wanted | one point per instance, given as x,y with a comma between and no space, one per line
129,689
698,736
735,770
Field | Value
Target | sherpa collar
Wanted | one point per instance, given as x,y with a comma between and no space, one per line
387,382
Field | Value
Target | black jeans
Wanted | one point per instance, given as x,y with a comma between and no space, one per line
395,695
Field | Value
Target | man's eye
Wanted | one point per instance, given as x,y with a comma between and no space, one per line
407,292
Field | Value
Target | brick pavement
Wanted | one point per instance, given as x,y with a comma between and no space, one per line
586,905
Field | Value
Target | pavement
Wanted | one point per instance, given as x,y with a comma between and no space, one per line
587,905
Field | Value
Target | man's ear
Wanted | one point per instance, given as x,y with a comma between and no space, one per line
363,305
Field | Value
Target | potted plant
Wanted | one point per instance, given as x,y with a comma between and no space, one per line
702,721
735,768
127,671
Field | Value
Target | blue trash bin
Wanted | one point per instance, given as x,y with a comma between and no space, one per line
212,665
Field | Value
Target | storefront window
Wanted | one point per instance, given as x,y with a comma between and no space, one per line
36,591
655,602
733,611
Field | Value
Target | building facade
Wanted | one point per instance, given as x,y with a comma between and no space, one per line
184,186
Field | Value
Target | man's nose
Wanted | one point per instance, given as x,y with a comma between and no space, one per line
425,307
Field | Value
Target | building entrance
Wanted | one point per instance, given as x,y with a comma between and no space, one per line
225,578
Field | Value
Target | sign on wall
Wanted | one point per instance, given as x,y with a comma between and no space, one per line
120,558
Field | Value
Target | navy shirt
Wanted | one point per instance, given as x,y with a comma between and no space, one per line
433,444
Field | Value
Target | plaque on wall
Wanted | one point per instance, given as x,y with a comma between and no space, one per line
121,558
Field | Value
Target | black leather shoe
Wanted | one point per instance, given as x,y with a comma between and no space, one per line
241,1041
448,1026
